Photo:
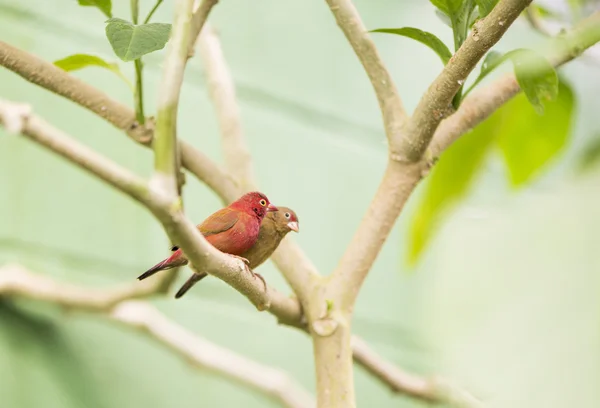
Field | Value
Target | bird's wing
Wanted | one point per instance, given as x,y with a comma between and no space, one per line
220,221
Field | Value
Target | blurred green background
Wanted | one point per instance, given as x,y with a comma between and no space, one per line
503,301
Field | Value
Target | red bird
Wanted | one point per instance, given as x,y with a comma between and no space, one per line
233,230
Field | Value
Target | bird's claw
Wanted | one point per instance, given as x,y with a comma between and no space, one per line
241,258
259,276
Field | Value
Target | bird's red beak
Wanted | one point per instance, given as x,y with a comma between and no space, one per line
271,208
293,225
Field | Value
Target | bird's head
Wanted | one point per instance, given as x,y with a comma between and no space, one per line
285,220
255,203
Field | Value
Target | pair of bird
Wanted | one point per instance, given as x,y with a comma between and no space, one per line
250,228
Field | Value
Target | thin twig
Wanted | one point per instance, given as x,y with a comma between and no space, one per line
151,13
16,281
198,21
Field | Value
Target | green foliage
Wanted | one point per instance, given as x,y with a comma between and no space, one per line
534,73
131,42
528,141
79,61
591,155
536,76
485,6
104,5
449,181
423,37
461,16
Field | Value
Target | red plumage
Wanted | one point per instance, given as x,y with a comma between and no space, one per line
233,230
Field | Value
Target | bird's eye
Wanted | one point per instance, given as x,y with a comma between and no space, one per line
287,215
263,202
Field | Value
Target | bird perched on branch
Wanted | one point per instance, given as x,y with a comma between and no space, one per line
273,229
233,230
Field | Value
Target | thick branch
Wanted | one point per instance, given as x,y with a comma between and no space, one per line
349,21
222,92
165,136
481,103
436,102
16,281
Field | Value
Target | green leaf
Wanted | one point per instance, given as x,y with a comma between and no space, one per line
485,6
445,19
423,37
591,155
528,141
79,61
449,181
460,14
534,73
104,5
536,76
130,42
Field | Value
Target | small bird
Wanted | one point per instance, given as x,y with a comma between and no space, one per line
274,227
233,230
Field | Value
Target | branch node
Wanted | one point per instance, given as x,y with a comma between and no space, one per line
325,327
15,116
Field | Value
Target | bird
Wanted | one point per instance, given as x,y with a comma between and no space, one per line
273,229
232,230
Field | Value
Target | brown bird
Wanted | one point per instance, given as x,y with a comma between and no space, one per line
274,227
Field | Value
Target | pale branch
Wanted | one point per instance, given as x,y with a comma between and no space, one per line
222,92
37,71
436,102
117,304
209,356
165,134
199,18
390,104
428,389
179,229
46,135
289,258
481,103
54,79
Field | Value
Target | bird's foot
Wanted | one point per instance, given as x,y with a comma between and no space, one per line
241,258
259,276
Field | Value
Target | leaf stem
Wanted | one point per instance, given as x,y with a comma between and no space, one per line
139,67
156,6
139,92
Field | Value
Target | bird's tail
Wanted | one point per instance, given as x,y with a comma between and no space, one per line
195,278
177,259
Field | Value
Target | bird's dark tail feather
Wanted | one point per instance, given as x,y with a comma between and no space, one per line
195,278
169,263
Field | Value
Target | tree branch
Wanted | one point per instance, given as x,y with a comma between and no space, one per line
16,281
289,258
390,104
165,135
222,91
430,390
405,168
199,20
436,102
48,76
481,103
